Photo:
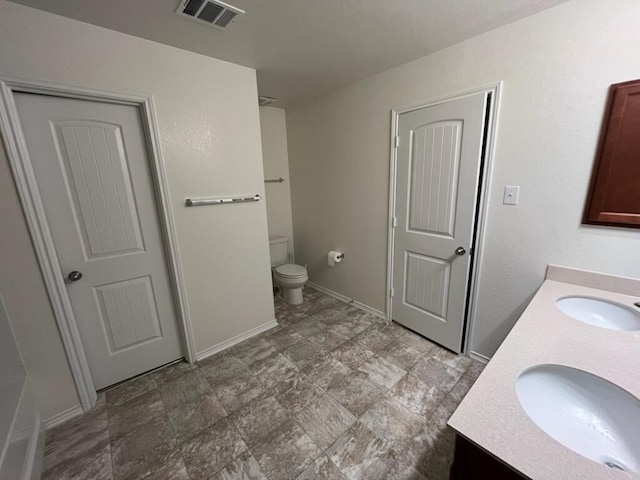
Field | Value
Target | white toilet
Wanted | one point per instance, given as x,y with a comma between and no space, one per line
288,277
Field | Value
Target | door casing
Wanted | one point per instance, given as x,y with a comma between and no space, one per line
484,189
38,226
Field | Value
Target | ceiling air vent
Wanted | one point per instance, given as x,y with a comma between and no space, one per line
215,13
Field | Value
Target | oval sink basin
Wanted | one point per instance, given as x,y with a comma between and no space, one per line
583,412
600,313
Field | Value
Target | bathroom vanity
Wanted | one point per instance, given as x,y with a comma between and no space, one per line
559,399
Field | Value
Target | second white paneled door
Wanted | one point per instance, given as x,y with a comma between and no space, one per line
437,176
93,173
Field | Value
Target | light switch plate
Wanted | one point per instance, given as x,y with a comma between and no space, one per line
511,195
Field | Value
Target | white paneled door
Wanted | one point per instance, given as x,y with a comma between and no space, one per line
439,156
93,172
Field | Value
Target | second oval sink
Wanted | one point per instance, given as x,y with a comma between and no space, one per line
589,415
600,313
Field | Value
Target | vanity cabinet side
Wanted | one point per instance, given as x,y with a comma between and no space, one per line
472,463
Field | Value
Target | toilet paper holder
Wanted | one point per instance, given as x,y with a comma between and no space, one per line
334,257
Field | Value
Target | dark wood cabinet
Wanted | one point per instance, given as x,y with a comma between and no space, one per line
472,463
614,194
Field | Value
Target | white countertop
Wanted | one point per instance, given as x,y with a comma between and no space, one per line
491,415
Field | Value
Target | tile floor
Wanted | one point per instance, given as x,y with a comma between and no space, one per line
331,393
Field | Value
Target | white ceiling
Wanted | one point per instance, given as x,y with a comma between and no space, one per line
301,48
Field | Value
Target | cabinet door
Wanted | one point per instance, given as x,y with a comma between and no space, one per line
614,196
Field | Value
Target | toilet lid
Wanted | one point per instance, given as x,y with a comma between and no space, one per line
291,270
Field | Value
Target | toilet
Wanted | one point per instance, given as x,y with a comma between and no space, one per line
289,278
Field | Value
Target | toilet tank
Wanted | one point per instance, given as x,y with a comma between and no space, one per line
278,250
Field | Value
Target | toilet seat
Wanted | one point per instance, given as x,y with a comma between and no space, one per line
290,270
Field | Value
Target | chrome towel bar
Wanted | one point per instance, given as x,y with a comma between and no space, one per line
192,202
274,180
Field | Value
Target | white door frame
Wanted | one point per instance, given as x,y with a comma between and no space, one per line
484,189
36,219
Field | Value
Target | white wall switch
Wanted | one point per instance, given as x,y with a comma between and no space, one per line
511,195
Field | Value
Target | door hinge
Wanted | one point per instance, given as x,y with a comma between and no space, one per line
394,222
392,292
397,141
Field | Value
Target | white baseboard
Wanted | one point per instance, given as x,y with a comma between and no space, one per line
63,417
348,300
479,357
235,340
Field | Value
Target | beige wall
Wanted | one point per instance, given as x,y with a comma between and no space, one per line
275,160
556,67
209,130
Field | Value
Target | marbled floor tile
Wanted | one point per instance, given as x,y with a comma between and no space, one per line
287,401
221,369
321,469
402,471
398,330
191,418
324,420
311,292
381,372
287,453
93,463
245,467
327,339
434,373
351,354
310,326
171,372
322,303
324,372
417,396
184,389
138,453
303,354
273,370
373,339
258,420
361,454
331,316
354,393
129,390
463,385
390,420
450,359
297,393
173,468
349,327
253,351
430,451
135,413
239,391
390,329
417,342
401,355
75,438
212,450
288,315
282,337
476,368
443,412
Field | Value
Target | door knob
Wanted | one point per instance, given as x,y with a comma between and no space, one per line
74,276
460,251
